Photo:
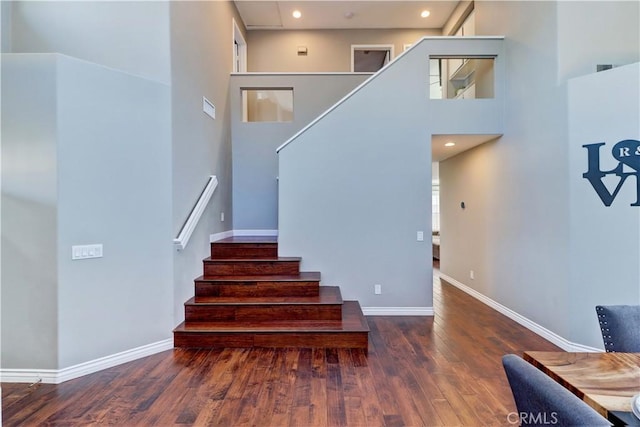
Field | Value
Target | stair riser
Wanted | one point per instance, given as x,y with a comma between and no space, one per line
255,268
257,289
195,340
244,250
218,313
272,340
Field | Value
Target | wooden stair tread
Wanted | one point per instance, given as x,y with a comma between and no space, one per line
327,295
251,260
352,321
248,239
304,276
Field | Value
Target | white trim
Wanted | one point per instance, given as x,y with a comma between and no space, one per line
231,233
237,37
53,376
397,311
255,232
194,217
384,47
220,236
527,323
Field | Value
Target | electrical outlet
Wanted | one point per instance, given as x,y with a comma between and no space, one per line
221,216
472,276
377,289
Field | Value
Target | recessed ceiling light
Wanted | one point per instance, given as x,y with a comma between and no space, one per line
297,14
449,144
425,13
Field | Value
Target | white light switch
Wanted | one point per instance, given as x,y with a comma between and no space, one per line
420,236
86,251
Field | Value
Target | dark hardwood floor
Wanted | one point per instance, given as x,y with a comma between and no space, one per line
418,371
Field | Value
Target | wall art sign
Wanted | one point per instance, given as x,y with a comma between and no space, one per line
627,153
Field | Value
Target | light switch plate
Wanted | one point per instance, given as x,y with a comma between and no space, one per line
86,251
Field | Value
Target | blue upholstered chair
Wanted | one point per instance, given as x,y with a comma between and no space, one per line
542,402
620,326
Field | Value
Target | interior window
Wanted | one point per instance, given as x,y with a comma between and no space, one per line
267,105
461,77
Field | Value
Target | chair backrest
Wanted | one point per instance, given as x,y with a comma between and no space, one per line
620,326
542,402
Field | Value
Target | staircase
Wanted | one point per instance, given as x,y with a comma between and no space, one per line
250,297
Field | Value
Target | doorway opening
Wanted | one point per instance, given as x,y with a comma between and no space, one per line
239,50
370,58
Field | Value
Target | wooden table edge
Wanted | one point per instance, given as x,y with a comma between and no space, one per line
576,392
564,383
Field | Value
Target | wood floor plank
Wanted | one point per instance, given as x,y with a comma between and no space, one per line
433,371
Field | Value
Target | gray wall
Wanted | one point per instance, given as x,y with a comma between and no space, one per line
161,41
104,151
114,176
255,162
201,61
129,36
328,50
29,212
605,243
591,33
514,233
5,26
457,18
355,187
522,175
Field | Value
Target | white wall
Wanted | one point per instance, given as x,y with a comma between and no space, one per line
605,248
255,162
129,36
94,167
201,60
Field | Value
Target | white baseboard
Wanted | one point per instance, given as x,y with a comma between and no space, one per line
57,376
230,233
527,323
397,311
255,232
219,236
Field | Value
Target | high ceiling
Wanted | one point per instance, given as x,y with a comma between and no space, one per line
338,14
360,14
